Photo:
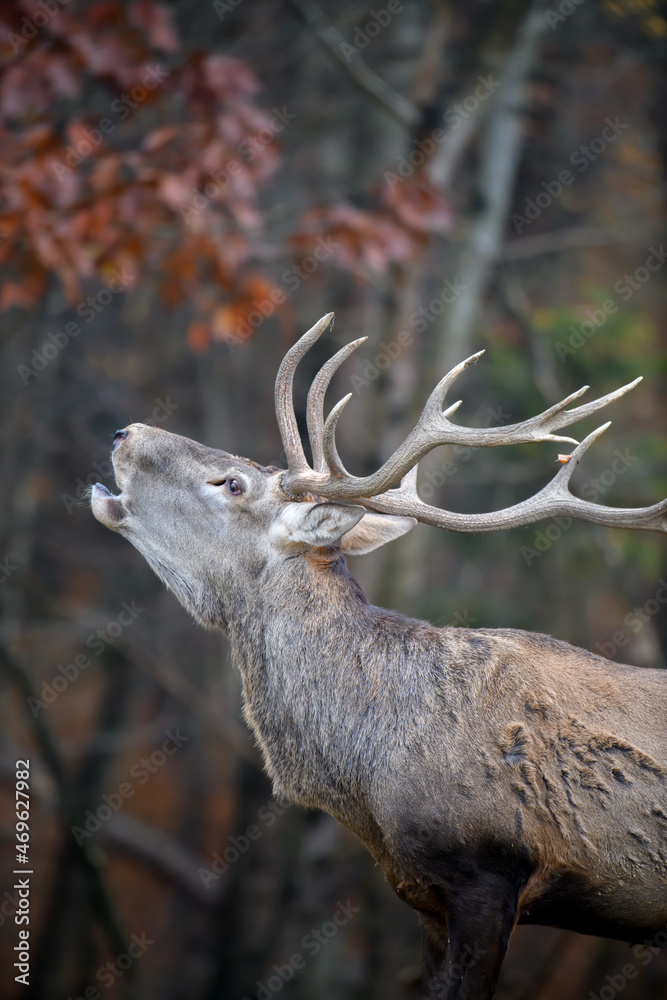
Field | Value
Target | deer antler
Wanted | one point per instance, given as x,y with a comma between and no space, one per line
329,479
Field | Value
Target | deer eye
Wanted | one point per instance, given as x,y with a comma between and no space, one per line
233,485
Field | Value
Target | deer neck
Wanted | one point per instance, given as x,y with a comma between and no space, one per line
301,645
330,683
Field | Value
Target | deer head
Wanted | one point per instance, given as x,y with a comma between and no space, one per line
201,516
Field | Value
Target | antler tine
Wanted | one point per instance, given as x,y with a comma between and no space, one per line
579,412
331,456
408,485
434,403
284,396
315,403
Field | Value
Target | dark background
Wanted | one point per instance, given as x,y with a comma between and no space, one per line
421,144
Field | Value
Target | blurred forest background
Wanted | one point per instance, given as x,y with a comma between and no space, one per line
184,190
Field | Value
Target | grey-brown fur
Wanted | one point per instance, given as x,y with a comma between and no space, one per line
495,774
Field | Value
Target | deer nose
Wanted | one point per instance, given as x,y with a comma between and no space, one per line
118,438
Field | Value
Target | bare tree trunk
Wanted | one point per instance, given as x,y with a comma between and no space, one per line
500,153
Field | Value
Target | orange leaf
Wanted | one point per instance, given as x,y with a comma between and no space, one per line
259,287
199,335
226,319
14,294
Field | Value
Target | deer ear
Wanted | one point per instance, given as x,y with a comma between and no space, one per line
373,531
315,524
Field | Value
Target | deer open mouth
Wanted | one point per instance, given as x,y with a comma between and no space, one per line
100,486
107,508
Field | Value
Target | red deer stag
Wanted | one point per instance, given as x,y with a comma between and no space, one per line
496,775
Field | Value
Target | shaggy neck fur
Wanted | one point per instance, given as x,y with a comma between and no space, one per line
330,692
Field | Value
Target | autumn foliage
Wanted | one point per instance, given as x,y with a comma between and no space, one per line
170,177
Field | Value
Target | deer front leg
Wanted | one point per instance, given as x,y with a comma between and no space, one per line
463,952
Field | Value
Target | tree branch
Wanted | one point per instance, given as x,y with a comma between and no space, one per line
162,854
577,236
359,72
